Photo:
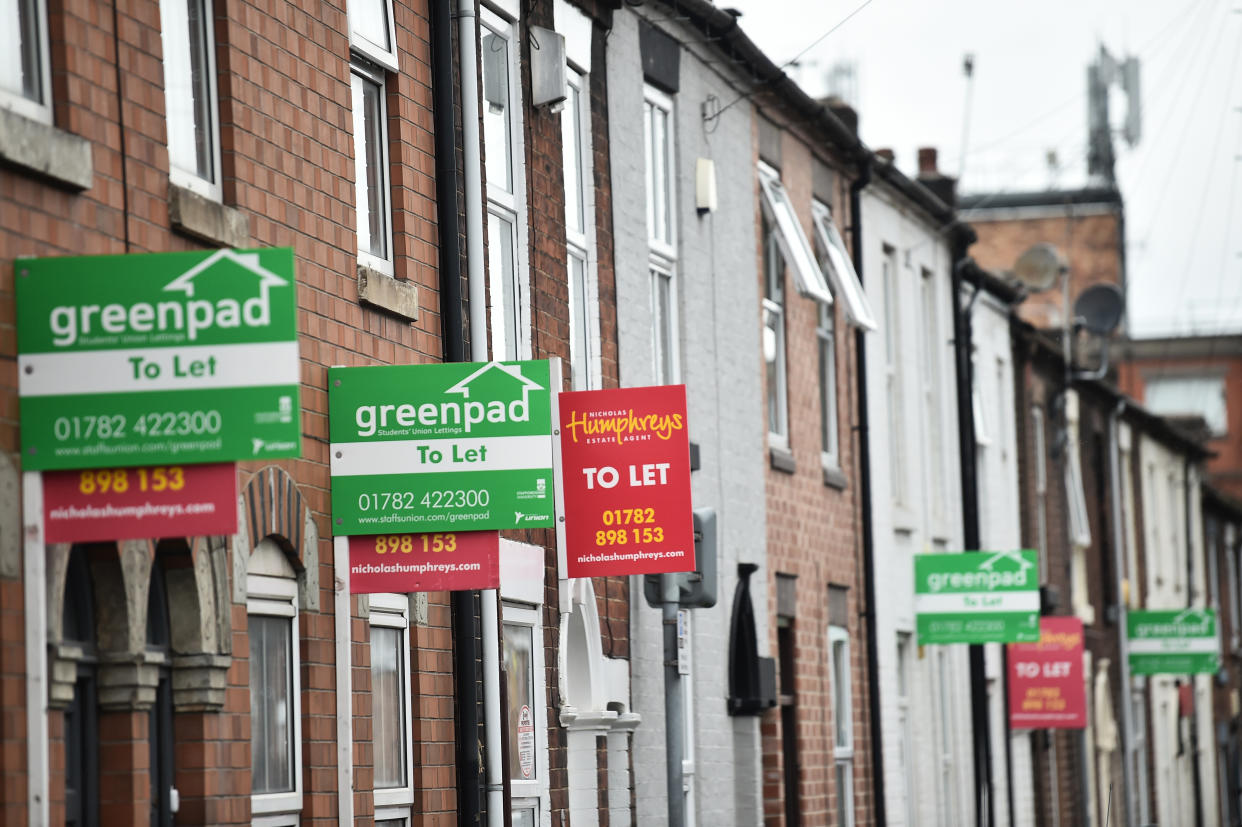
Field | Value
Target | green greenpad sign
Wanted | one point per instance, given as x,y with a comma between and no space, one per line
441,447
976,597
157,358
1177,642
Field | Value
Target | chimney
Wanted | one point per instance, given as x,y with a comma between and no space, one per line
844,112
886,154
943,186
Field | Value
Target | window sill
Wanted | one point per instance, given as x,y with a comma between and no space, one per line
782,459
207,220
397,297
834,477
61,157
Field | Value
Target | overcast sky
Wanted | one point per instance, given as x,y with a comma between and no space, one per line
1180,183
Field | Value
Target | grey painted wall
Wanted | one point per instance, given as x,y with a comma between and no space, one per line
720,362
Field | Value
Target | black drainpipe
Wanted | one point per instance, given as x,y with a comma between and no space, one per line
864,489
463,604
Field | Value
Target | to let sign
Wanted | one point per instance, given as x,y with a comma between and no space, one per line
1046,688
625,468
424,562
976,597
440,447
157,359
138,503
1177,642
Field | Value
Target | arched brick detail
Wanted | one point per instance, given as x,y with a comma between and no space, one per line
272,505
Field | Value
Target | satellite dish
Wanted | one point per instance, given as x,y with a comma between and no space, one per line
1039,267
1099,309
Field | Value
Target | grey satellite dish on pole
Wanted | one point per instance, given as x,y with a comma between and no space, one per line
1099,309
1039,267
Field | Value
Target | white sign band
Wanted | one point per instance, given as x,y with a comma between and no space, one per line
190,367
434,453
1169,646
961,602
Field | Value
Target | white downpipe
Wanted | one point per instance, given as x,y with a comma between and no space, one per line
344,683
35,574
468,36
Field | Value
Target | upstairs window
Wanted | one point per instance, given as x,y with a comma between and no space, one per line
25,75
774,338
371,32
658,142
839,269
787,230
190,96
372,184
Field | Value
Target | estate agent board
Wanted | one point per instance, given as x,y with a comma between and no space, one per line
440,447
625,467
1177,642
976,597
157,359
1046,686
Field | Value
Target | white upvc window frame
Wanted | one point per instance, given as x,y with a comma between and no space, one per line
1039,443
40,108
905,722
660,179
894,373
932,356
839,269
384,54
362,71
178,173
826,337
278,597
787,229
393,611
584,333
842,720
775,343
508,205
532,793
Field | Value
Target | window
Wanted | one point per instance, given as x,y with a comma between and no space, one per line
825,332
893,379
579,226
25,74
790,759
1079,526
661,232
1189,396
842,723
506,199
774,338
371,181
787,230
947,694
390,707
275,688
905,721
836,263
524,672
932,350
371,32
1041,489
190,96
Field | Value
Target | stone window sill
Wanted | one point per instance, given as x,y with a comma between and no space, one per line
782,459
58,156
380,290
835,478
207,220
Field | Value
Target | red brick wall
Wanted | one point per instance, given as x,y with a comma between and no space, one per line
813,532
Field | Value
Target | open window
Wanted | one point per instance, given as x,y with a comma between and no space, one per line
840,269
794,246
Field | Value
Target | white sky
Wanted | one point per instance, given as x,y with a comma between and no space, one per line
1182,184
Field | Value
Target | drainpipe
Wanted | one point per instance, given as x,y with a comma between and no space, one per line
970,521
1123,635
864,489
461,603
468,38
1196,780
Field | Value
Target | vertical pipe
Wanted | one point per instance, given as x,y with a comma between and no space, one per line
875,743
1123,638
674,706
342,626
34,573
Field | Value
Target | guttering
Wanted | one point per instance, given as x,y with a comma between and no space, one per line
461,604
468,36
864,488
1123,637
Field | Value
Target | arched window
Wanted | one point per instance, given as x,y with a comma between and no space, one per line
275,725
82,715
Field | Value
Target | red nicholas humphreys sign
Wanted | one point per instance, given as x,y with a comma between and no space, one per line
403,563
1046,689
625,472
102,504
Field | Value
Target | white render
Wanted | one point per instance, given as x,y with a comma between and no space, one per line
719,356
940,761
1175,580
